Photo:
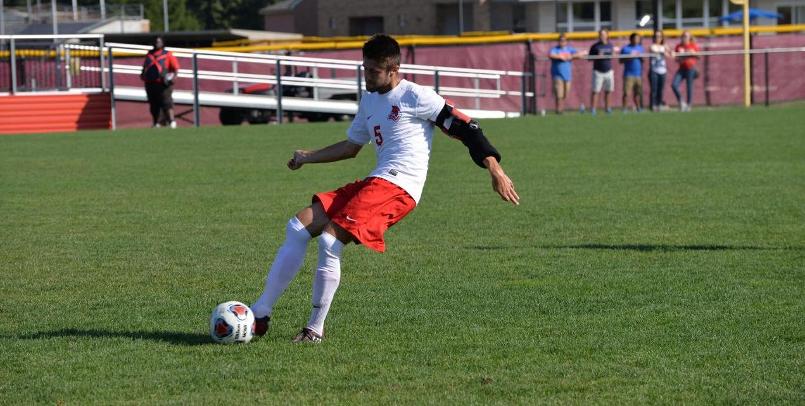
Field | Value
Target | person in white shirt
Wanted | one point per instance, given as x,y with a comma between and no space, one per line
398,117
659,70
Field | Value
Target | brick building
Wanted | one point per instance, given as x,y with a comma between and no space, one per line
434,17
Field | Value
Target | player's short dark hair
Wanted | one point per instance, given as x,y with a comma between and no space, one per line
382,49
633,36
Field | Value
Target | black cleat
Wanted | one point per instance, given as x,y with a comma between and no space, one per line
261,326
307,336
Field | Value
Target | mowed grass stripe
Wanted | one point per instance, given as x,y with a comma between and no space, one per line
655,258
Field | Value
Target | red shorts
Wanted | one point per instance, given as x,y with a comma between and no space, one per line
367,208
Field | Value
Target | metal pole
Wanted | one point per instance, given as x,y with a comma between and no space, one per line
765,73
747,65
54,18
532,71
2,19
436,81
13,60
278,91
655,10
111,60
103,10
359,80
196,112
235,86
102,80
523,98
166,28
315,88
67,76
75,10
30,12
460,17
58,71
122,17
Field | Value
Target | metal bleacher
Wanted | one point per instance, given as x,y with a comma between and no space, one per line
348,78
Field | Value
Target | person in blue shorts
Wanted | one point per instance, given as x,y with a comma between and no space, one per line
561,57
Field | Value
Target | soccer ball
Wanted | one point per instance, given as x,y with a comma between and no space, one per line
232,322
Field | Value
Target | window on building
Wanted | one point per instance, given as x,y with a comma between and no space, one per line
605,12
679,14
668,13
643,7
365,25
447,18
715,10
518,18
583,15
692,13
792,14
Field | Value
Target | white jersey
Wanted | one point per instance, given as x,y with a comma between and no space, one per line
400,124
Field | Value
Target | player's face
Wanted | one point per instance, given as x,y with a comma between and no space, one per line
603,36
378,76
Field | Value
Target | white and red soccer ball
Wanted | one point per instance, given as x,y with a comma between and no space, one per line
232,322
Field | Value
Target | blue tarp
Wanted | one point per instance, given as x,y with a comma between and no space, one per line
754,13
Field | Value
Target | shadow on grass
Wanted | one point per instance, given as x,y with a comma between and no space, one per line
647,247
171,337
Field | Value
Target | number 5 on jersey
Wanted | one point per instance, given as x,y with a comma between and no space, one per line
378,136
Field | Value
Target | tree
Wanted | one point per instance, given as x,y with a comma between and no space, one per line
223,14
180,19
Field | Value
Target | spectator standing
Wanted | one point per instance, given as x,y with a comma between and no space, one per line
603,76
633,72
687,69
159,71
658,70
561,71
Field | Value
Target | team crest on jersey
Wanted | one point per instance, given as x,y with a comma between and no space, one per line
395,113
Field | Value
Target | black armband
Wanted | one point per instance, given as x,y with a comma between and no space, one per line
461,127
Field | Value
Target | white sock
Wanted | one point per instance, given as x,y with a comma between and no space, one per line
325,283
285,267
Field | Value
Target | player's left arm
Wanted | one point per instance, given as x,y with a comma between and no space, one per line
463,128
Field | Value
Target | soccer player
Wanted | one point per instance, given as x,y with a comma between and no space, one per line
398,117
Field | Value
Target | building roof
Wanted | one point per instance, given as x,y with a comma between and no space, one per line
64,28
280,7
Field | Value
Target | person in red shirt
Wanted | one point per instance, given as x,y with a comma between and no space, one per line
159,71
687,69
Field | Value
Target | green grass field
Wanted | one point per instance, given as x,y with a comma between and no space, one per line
655,258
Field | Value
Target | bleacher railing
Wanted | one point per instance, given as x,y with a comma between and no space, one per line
322,76
35,63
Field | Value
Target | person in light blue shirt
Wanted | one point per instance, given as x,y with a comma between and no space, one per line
561,57
633,72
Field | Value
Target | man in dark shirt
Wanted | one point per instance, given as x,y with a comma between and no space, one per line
603,77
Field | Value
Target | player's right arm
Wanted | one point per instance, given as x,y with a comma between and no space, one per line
336,152
357,137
